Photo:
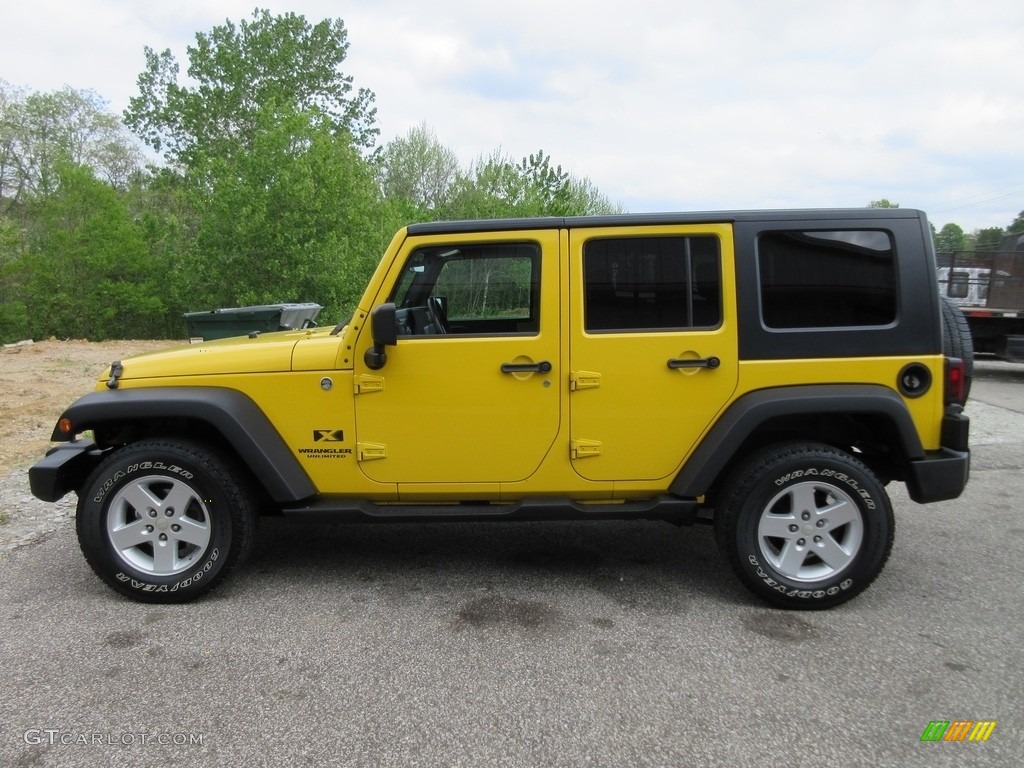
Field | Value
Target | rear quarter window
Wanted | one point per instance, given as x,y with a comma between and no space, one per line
826,279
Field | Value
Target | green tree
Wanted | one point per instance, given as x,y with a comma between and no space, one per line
268,147
40,131
883,203
418,169
297,218
67,245
987,239
10,157
168,219
497,186
951,238
1017,225
86,265
271,65
489,189
13,313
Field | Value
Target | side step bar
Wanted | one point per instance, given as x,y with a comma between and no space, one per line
672,508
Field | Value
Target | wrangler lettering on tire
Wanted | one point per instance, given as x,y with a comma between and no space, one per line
164,520
804,525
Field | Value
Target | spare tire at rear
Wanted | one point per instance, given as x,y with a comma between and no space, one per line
956,339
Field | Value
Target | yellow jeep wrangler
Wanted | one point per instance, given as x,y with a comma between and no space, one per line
767,372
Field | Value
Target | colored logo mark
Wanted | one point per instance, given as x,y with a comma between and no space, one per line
958,730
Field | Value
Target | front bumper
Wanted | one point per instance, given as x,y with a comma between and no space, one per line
63,469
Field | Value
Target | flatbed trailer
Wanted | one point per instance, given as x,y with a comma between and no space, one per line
989,290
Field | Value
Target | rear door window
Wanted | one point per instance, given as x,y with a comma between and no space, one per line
652,283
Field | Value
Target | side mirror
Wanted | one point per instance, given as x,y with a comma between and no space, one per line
384,328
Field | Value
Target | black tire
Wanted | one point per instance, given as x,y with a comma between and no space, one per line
804,525
163,521
957,340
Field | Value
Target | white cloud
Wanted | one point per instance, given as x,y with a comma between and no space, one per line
663,105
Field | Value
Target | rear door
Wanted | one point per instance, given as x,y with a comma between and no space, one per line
653,345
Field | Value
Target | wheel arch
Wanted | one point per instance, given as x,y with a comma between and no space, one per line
212,414
803,412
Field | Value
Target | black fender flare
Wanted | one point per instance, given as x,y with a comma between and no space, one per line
747,413
230,413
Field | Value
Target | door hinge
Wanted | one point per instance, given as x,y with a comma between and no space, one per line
371,451
584,449
584,380
365,383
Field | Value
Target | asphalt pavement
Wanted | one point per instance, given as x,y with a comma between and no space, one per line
529,644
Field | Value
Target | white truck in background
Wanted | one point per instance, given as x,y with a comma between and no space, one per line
988,288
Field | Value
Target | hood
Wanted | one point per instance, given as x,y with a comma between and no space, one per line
266,353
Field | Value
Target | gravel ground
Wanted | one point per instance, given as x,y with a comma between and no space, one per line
26,518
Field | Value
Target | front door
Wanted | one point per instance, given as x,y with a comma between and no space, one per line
653,346
469,394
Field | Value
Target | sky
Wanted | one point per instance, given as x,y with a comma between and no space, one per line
664,106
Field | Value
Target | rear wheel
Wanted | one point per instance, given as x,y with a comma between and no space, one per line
804,525
165,520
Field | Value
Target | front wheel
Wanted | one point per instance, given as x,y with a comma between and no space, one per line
162,521
804,525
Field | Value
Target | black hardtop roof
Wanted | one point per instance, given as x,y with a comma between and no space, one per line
642,219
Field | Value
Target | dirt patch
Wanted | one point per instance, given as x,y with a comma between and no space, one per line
37,382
